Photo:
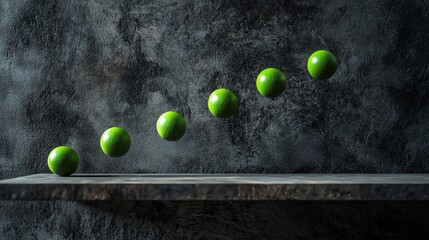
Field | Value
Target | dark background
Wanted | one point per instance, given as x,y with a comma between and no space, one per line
71,69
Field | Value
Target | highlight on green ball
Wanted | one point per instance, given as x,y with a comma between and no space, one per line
115,142
322,65
271,82
222,103
171,126
63,161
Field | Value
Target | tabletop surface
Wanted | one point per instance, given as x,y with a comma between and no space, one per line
217,187
221,179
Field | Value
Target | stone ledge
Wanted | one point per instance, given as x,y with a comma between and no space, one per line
173,187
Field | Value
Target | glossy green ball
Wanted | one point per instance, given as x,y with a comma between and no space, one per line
63,161
115,142
271,82
222,103
322,65
171,126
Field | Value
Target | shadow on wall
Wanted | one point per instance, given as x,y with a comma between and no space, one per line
277,219
223,220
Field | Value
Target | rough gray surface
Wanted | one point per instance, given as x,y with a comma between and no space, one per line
71,69
218,187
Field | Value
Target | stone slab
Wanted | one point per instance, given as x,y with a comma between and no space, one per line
217,187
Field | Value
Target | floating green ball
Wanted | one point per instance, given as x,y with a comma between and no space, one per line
171,126
115,142
63,161
271,82
222,103
322,65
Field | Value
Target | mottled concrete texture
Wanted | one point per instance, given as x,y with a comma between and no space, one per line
225,187
71,69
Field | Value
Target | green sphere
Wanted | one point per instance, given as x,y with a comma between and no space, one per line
171,126
63,161
271,82
222,103
322,65
115,142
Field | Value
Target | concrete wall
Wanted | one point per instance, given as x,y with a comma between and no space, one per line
71,69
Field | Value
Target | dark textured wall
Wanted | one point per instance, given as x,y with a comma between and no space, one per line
71,69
